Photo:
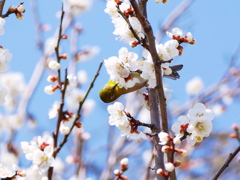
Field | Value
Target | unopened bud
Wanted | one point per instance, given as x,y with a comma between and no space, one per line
182,152
117,172
54,65
177,163
176,140
12,9
50,89
134,43
52,78
160,172
166,149
63,56
64,36
169,167
233,135
235,127
78,124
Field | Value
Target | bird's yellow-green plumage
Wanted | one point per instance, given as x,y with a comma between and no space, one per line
111,91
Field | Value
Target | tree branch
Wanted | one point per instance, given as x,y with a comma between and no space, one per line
226,164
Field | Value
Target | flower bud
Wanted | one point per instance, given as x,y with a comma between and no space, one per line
117,172
50,89
176,140
124,161
182,152
20,8
160,172
166,149
177,163
52,78
54,65
63,56
64,36
12,9
169,166
233,135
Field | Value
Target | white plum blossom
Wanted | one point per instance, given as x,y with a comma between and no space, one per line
148,73
7,170
120,68
2,22
50,45
194,86
76,7
87,53
197,124
163,138
3,93
175,34
39,151
66,125
119,118
5,57
9,81
82,77
120,24
178,35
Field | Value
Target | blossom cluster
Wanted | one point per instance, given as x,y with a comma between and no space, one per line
40,152
194,127
119,117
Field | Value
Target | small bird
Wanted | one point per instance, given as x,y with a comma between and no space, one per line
111,91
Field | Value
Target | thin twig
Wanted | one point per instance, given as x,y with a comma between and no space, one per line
2,6
226,164
79,109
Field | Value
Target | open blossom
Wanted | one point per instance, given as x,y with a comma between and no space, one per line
120,24
120,68
197,123
175,34
7,170
76,7
178,35
194,86
2,22
5,57
53,112
117,116
119,119
39,151
3,93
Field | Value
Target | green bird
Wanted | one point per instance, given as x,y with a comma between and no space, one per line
111,91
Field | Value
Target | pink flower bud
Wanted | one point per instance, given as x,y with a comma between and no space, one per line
63,56
64,36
